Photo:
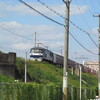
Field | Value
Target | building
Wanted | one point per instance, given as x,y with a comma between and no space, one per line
93,65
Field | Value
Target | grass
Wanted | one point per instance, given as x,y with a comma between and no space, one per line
44,72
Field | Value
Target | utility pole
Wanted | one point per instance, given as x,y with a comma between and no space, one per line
80,80
98,57
66,43
61,50
26,68
35,40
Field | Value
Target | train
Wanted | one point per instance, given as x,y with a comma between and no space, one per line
43,54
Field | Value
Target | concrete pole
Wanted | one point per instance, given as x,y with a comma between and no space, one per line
61,50
35,40
98,56
80,80
66,42
26,68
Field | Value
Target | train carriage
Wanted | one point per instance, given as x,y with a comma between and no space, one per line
58,60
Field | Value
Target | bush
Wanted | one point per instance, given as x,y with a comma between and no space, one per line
29,91
34,91
6,79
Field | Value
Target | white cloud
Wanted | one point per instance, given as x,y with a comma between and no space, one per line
3,11
48,35
75,9
43,31
94,31
23,10
22,46
51,36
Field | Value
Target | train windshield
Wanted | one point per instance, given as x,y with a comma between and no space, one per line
35,50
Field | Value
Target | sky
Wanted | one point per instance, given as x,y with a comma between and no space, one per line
18,23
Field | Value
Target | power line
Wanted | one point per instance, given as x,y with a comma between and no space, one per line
41,13
12,25
88,8
56,23
91,1
88,26
82,45
14,33
50,9
69,21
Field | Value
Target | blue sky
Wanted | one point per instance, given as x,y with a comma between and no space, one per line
18,22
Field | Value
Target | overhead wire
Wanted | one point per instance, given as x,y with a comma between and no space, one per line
87,25
70,22
88,8
93,5
14,33
82,45
54,22
6,29
90,11
13,25
50,9
40,13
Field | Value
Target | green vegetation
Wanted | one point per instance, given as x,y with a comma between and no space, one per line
45,83
29,91
5,79
44,72
88,81
20,63
35,91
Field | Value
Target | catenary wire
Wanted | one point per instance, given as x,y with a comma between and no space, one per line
82,45
88,8
12,25
87,25
40,13
69,21
14,33
56,23
91,2
90,11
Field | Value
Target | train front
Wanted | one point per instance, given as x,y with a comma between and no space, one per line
36,54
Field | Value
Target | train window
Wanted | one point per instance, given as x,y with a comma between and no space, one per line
31,50
36,50
45,55
51,54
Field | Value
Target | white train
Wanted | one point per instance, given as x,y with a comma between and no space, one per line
40,54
